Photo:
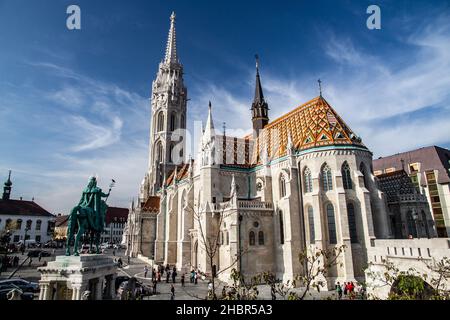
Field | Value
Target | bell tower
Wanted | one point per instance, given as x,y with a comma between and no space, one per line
168,120
7,188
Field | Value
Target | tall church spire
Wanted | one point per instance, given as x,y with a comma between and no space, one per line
171,49
260,108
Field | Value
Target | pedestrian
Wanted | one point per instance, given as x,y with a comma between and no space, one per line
172,290
114,252
29,262
16,261
174,274
159,276
154,286
167,276
195,277
345,288
191,278
153,274
182,280
339,290
145,271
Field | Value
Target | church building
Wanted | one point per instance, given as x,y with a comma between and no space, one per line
302,181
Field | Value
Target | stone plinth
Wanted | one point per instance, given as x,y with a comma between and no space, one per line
70,277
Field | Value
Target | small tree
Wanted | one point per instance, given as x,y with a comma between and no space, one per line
411,284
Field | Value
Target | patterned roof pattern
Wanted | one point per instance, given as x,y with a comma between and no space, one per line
182,172
310,125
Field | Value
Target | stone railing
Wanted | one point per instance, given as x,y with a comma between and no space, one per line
256,205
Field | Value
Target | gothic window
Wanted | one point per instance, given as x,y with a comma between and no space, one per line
312,233
173,120
227,237
281,227
327,182
160,125
307,180
38,225
362,169
261,238
411,224
346,176
352,222
221,238
425,223
282,186
251,237
19,224
159,152
170,153
331,224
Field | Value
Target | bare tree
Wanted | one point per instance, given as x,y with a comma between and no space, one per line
210,243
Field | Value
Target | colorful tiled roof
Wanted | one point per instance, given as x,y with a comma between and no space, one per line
310,125
151,204
182,172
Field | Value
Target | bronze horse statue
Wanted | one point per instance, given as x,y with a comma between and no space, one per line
88,217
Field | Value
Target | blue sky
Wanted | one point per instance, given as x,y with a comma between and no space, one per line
75,103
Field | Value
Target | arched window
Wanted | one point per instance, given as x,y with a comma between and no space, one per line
38,225
312,233
282,186
281,228
261,238
221,238
251,237
307,180
352,222
8,224
173,120
327,182
170,153
425,223
160,122
362,169
411,224
346,176
19,224
159,152
182,121
331,224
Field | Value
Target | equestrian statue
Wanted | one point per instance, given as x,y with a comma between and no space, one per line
88,218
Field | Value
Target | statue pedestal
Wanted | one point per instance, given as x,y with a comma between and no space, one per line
86,277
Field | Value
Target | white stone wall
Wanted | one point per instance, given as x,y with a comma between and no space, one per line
32,233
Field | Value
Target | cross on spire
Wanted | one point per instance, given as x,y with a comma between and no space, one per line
320,86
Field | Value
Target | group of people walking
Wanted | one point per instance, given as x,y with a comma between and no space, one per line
350,290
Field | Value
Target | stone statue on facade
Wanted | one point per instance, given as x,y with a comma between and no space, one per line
88,218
